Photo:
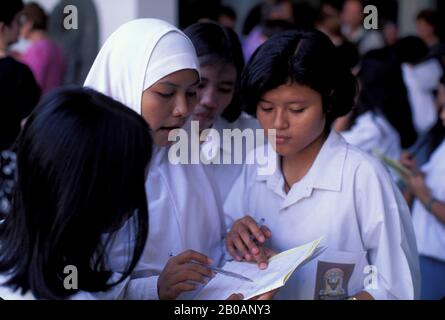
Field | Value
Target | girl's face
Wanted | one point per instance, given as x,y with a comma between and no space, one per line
12,31
296,113
215,92
168,103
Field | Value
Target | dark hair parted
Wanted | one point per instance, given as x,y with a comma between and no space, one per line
9,9
217,44
306,57
82,159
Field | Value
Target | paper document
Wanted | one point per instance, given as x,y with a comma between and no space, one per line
275,276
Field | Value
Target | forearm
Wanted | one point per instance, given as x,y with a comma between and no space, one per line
435,207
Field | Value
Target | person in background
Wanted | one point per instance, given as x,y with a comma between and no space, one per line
46,60
427,26
328,22
378,107
219,107
80,45
82,164
270,10
19,93
421,75
427,189
227,17
352,20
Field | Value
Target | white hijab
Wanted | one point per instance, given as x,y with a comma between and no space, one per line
136,56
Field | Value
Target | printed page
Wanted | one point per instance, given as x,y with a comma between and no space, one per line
275,276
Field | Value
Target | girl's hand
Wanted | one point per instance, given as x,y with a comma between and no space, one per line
418,187
408,160
245,241
180,271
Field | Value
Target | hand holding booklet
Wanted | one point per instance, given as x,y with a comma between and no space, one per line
281,267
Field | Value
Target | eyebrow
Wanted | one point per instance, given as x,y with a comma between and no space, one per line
171,84
289,102
229,83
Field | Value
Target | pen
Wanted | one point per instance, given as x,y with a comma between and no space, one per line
225,272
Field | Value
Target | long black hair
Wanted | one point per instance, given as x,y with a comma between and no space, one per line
218,44
305,57
82,160
383,89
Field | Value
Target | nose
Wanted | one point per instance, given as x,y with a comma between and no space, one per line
182,109
281,121
208,98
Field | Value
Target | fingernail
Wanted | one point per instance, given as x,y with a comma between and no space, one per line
263,266
262,239
238,258
247,256
255,251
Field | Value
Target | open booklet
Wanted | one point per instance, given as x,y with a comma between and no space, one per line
275,276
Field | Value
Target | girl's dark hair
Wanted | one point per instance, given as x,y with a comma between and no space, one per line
216,44
82,159
382,89
411,49
306,57
35,13
9,9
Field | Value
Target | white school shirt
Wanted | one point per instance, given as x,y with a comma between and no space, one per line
185,213
348,198
224,175
429,230
421,80
372,131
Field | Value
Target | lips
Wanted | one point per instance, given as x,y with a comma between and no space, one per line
281,140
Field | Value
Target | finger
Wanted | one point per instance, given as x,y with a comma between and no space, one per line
232,250
191,255
206,272
184,287
266,296
241,248
189,275
254,229
266,231
261,260
248,242
236,296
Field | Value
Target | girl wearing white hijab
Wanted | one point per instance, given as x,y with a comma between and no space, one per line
151,66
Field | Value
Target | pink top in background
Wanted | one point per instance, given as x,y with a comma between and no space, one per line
47,62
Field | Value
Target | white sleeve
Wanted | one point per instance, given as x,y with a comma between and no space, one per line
363,136
387,234
142,289
235,203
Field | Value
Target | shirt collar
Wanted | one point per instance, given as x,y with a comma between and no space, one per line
326,172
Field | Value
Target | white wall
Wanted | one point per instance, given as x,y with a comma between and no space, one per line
114,13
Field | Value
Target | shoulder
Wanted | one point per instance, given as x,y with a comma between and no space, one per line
363,166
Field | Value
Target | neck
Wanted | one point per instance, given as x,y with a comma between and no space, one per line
36,35
296,166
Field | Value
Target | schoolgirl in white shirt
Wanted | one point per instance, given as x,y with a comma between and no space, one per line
219,107
379,106
323,187
428,188
152,67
